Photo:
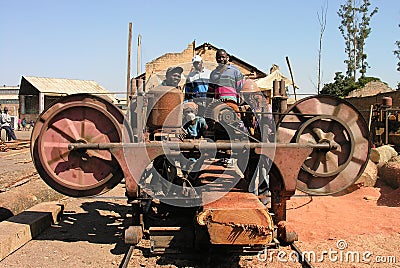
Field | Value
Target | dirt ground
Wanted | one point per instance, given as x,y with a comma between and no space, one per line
359,229
20,185
354,230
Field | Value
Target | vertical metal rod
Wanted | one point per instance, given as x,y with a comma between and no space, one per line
291,75
282,88
128,75
386,127
275,87
370,117
139,59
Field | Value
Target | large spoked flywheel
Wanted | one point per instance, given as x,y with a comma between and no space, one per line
329,120
79,118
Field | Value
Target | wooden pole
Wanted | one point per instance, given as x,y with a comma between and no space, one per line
139,48
291,75
128,75
370,117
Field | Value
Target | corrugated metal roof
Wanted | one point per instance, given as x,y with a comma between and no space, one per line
9,97
65,86
4,87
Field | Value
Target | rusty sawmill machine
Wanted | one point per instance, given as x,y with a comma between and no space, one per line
83,145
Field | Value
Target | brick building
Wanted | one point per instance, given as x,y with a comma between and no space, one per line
9,99
155,70
372,93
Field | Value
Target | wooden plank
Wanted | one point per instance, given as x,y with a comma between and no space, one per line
237,218
231,200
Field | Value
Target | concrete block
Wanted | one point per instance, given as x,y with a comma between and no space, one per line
20,229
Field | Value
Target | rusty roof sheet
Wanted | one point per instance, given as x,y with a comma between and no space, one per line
65,86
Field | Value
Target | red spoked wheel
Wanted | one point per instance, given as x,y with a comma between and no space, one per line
79,118
327,119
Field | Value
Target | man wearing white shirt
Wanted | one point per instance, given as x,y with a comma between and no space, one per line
197,81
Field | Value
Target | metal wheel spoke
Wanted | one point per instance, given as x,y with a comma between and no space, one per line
332,162
57,158
70,133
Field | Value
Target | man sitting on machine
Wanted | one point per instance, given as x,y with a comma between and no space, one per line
257,114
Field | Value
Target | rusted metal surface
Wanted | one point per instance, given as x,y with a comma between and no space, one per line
337,123
199,145
165,107
387,101
141,156
287,157
83,146
78,118
289,161
286,232
237,218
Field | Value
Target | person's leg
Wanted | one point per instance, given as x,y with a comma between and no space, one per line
12,133
8,134
1,134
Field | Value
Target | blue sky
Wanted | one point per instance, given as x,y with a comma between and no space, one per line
88,39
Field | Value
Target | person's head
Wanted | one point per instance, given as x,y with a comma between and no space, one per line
191,117
197,62
5,110
266,96
190,111
251,93
222,57
173,76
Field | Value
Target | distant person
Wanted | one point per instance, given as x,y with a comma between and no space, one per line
226,79
19,124
6,124
23,124
172,76
197,81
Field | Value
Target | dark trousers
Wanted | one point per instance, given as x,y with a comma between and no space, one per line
9,133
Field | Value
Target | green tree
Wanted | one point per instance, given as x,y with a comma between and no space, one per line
397,53
322,24
343,85
355,20
338,87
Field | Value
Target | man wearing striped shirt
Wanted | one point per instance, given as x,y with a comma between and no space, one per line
226,79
